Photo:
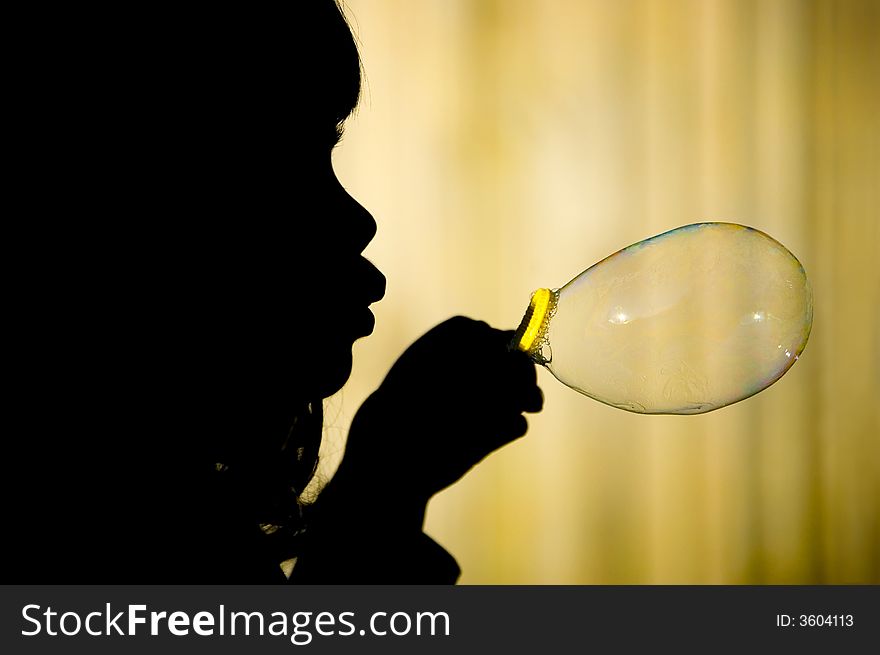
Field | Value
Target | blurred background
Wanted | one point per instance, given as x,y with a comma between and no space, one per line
506,145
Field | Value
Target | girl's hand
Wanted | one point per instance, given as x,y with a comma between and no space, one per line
454,396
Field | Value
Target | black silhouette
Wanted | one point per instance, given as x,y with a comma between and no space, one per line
190,280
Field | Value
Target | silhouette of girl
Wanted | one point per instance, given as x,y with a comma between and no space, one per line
196,283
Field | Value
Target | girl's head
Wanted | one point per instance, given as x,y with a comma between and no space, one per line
238,284
276,240
193,267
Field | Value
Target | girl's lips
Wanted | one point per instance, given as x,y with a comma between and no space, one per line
364,323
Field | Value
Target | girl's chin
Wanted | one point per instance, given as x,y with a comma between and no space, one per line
327,374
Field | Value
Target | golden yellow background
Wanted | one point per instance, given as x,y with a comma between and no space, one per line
505,145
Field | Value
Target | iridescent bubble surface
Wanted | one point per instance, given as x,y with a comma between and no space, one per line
685,322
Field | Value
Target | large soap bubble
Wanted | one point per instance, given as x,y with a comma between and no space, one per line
682,323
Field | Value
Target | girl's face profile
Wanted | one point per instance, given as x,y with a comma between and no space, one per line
333,283
293,288
337,283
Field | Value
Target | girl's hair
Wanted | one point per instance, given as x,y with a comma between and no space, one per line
281,511
345,67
